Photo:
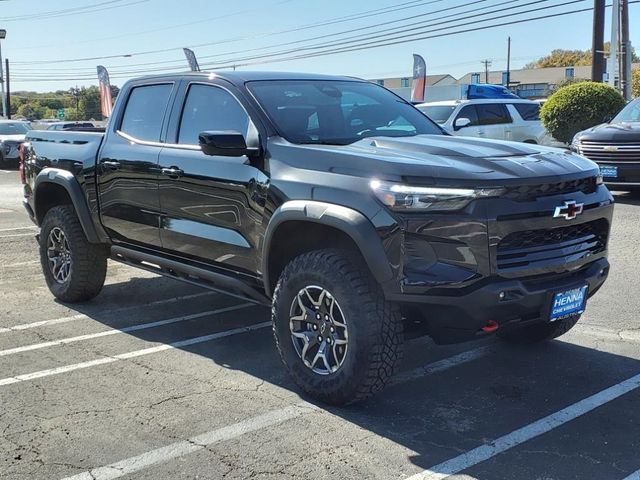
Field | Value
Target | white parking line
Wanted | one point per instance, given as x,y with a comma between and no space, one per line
274,417
14,229
132,328
526,433
633,476
632,336
20,264
134,354
195,444
57,321
31,234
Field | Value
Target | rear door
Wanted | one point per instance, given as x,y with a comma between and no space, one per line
494,120
127,169
211,205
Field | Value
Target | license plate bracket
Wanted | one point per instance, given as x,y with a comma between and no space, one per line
568,303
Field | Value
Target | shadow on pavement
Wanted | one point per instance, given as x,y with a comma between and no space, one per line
437,416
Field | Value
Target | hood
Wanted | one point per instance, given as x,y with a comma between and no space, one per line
616,132
17,138
438,159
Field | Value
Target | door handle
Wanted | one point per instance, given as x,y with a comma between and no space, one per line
110,164
172,172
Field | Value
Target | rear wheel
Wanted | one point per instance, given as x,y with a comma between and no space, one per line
74,269
539,332
337,336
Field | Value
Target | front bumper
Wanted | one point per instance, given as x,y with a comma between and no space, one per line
628,174
511,303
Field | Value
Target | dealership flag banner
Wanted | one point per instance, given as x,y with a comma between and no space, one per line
106,102
419,78
191,58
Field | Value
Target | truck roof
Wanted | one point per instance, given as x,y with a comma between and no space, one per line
240,77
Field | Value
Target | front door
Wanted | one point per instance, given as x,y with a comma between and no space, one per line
211,205
128,167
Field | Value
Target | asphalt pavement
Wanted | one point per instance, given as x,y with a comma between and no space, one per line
156,379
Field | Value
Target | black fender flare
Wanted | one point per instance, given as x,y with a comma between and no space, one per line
66,180
347,220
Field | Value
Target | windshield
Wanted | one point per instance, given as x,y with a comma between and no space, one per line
438,113
630,113
16,128
337,112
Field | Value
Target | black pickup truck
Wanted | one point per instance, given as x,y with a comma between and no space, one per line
615,147
334,201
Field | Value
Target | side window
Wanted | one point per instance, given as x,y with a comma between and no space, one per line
528,111
145,110
468,111
492,114
210,108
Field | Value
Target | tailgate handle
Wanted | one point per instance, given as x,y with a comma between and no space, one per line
110,164
173,172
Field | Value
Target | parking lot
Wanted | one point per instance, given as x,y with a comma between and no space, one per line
159,379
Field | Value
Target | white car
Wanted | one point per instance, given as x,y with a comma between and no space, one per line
12,133
500,119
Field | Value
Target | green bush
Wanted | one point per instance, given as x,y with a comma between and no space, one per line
579,106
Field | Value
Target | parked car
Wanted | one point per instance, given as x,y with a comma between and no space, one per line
615,147
12,134
334,202
499,119
69,125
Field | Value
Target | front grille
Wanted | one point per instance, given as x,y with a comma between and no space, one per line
554,246
610,151
525,193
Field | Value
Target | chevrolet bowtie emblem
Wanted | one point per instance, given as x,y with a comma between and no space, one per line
569,210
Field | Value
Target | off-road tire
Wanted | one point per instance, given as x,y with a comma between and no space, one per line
88,261
538,332
375,344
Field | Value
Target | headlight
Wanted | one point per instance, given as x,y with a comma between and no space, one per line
575,144
407,197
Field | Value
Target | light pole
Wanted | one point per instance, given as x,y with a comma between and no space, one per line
3,35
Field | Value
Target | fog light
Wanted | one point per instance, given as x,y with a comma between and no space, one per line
501,295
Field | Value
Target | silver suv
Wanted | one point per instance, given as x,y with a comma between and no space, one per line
499,119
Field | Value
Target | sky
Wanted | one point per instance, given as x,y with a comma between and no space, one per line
45,39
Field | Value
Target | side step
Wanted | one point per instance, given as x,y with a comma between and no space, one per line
189,273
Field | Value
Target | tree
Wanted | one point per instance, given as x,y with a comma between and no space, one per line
577,107
635,82
570,58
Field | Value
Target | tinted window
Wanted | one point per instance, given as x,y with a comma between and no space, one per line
210,108
338,112
145,110
438,113
492,113
528,111
469,111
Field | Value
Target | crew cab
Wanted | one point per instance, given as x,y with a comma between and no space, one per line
615,147
333,201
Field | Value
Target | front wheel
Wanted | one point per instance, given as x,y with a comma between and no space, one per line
337,336
74,269
539,332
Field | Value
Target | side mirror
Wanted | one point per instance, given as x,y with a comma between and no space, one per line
226,143
461,123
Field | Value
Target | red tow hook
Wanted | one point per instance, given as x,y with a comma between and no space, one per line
490,327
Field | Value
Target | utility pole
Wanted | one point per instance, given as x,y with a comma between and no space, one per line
613,50
627,52
3,35
597,45
8,90
508,61
487,64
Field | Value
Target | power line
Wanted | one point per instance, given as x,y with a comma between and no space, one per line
344,41
98,7
381,43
